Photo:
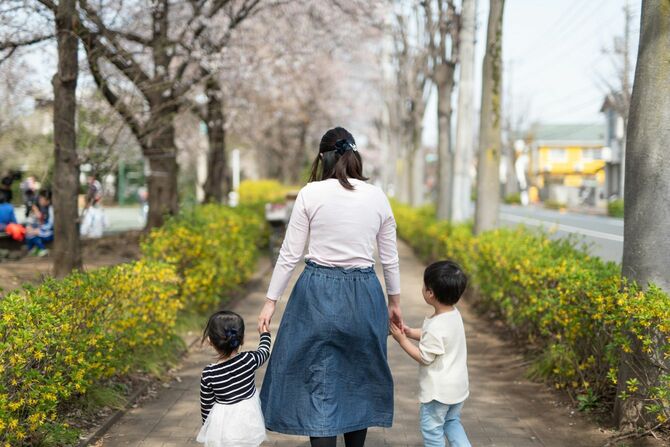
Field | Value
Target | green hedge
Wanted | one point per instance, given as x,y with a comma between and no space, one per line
615,208
573,310
64,341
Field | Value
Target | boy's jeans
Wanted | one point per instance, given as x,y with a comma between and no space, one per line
439,420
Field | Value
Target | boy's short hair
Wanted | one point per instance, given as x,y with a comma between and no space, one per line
446,280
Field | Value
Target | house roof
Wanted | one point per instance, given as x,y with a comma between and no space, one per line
582,133
611,101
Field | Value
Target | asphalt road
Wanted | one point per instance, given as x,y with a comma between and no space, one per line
603,236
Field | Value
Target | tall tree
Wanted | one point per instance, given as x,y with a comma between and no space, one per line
67,248
488,164
162,66
647,198
464,147
410,60
442,27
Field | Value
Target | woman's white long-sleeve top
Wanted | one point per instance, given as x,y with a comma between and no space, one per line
343,228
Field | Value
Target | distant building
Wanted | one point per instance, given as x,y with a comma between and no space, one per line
568,162
615,141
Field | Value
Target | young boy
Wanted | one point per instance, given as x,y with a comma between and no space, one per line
443,374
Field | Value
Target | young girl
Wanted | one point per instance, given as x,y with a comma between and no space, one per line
229,404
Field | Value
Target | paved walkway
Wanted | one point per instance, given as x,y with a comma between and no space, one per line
504,409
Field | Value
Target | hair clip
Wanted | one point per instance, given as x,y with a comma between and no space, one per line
231,334
343,145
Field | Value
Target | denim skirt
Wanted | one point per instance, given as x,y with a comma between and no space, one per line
328,373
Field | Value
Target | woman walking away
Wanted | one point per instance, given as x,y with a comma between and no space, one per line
328,373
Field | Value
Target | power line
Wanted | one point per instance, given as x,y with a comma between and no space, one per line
568,13
547,51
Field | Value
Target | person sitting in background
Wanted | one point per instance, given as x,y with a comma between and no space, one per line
7,215
41,231
28,188
6,184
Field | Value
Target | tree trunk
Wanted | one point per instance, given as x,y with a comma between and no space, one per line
444,78
463,150
646,253
418,175
303,153
405,169
161,153
488,165
511,182
408,178
216,183
67,247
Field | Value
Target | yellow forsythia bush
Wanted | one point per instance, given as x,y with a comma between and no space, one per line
213,249
62,338
262,191
572,309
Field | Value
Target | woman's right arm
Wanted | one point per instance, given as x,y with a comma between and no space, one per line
290,254
388,255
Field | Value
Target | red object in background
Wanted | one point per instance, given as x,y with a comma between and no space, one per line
16,231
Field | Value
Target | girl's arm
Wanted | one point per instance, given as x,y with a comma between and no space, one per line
206,399
263,352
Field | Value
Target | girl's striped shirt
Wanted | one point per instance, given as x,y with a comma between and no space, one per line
232,381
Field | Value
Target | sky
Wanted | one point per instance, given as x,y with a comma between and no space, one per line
555,67
554,63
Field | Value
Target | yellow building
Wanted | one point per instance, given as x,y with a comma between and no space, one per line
568,163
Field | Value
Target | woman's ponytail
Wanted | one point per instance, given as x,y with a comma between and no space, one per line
338,158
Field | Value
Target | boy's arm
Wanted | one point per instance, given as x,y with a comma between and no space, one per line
414,334
410,348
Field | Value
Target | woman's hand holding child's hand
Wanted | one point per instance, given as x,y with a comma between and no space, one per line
265,316
397,333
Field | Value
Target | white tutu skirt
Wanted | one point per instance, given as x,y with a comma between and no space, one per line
236,425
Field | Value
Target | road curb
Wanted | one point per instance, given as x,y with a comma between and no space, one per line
190,343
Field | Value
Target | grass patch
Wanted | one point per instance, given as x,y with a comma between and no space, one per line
111,396
158,361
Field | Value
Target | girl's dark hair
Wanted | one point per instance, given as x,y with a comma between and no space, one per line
446,280
225,330
333,163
